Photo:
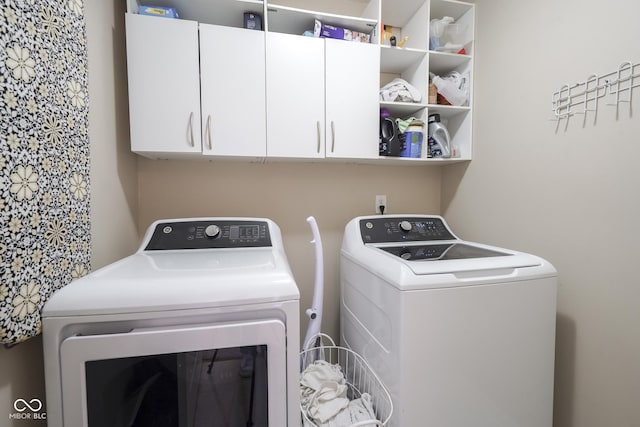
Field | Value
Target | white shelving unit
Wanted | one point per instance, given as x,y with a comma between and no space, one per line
458,119
412,62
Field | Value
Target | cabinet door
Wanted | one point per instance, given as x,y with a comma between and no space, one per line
352,86
295,96
233,91
164,85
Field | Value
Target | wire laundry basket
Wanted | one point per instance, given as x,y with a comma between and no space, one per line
359,378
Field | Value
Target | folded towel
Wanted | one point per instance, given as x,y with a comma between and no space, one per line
399,90
403,124
323,396
323,391
328,401
319,372
358,410
362,410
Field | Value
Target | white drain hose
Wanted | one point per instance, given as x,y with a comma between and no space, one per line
315,312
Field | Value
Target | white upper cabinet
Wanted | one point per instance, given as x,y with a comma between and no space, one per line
295,96
321,98
232,70
164,86
352,116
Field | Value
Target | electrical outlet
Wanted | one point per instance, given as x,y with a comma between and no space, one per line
381,200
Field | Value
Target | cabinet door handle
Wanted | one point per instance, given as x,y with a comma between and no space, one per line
209,131
192,140
333,136
319,135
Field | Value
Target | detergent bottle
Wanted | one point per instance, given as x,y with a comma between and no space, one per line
414,138
439,142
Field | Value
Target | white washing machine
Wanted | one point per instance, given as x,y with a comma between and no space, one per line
199,327
462,334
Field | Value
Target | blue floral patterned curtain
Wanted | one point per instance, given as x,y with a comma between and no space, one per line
44,158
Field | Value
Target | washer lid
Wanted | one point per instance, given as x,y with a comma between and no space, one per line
175,280
415,252
412,264
445,251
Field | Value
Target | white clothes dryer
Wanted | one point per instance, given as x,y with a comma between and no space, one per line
462,334
199,327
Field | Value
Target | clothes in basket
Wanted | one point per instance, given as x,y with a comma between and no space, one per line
323,395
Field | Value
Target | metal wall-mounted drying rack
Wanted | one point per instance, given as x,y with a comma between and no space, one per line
582,98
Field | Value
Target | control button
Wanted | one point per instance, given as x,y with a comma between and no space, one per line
369,225
212,231
405,226
167,230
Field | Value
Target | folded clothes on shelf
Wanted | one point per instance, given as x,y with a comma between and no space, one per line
399,90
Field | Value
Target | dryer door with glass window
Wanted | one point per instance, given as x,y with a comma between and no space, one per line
226,374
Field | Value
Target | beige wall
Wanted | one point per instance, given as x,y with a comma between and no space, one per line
287,193
528,188
570,196
113,189
113,167
21,377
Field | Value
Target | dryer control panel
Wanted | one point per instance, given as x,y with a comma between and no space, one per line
209,234
389,229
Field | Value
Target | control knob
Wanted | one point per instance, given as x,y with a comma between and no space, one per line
405,226
212,231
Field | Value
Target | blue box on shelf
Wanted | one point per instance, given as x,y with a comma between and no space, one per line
161,11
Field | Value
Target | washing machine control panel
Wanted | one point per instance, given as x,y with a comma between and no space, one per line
403,229
209,234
